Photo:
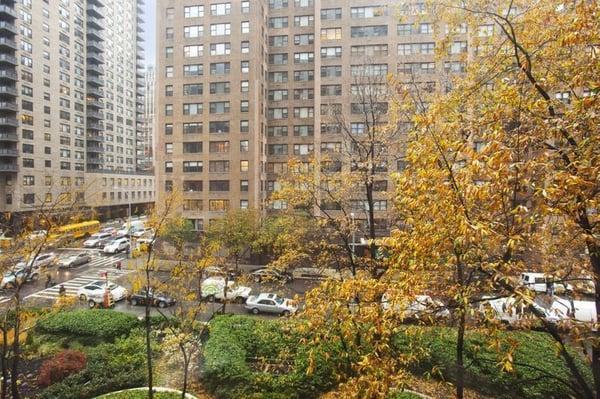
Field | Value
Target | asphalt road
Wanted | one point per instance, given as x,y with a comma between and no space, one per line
36,294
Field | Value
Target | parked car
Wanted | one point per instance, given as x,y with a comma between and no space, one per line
270,275
19,276
41,261
423,306
146,231
270,303
213,288
95,291
117,245
74,260
97,240
510,311
156,299
540,282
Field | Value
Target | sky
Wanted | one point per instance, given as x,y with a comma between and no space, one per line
149,31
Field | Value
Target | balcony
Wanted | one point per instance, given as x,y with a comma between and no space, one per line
95,92
94,104
95,137
9,27
95,126
8,11
95,68
8,59
95,161
95,115
93,22
12,137
9,152
94,34
8,74
8,43
8,106
96,2
8,121
96,45
8,90
94,11
95,148
94,81
8,167
97,57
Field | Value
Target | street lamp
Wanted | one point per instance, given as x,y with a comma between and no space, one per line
353,233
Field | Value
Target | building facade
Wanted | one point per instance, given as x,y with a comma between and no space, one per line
243,86
72,71
145,144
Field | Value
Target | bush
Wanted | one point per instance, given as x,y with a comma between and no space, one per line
92,323
110,367
141,394
538,369
60,366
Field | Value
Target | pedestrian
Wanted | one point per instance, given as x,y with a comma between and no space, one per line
48,280
118,265
62,290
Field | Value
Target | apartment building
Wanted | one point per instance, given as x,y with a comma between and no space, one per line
243,86
72,100
145,142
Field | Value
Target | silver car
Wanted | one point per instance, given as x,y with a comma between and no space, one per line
270,303
74,260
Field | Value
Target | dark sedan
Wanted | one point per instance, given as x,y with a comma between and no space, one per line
155,299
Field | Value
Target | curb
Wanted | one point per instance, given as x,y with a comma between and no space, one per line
155,389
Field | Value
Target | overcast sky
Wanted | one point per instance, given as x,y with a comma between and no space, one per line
149,28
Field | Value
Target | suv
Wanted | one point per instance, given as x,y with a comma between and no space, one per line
118,245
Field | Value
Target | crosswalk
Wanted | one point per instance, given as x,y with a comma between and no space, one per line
98,267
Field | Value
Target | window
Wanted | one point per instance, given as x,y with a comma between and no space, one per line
220,49
303,112
192,89
244,185
28,199
278,22
220,29
331,90
245,27
304,39
277,113
168,148
220,68
278,59
192,128
245,66
168,109
244,86
331,71
303,149
218,147
193,51
331,33
245,47
278,41
277,149
193,205
218,166
369,70
218,127
426,28
331,128
331,147
169,72
245,7
331,52
277,4
369,31
458,47
220,9
244,146
192,185
278,77
169,167
192,166
194,147
368,12
278,95
193,31
219,107
304,76
277,131
244,106
304,94
193,11
28,180
218,185
304,58
304,20
303,3
169,33
218,205
303,130
220,87
331,13
193,70
373,50
168,52
192,109
244,166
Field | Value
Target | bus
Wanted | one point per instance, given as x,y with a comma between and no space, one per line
76,230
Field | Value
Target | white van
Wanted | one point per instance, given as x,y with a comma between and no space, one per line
213,289
131,227
539,282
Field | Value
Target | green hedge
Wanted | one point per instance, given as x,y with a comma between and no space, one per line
236,341
536,363
139,394
95,323
110,367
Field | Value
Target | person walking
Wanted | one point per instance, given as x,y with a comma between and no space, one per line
62,290
48,280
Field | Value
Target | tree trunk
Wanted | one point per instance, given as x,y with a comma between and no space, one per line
460,348
370,201
186,365
16,349
3,360
594,252
148,331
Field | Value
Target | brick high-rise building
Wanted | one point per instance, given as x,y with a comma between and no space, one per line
243,86
70,74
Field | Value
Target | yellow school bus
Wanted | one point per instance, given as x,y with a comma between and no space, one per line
76,230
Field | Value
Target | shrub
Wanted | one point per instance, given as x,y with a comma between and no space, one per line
60,366
141,394
92,323
110,367
539,371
